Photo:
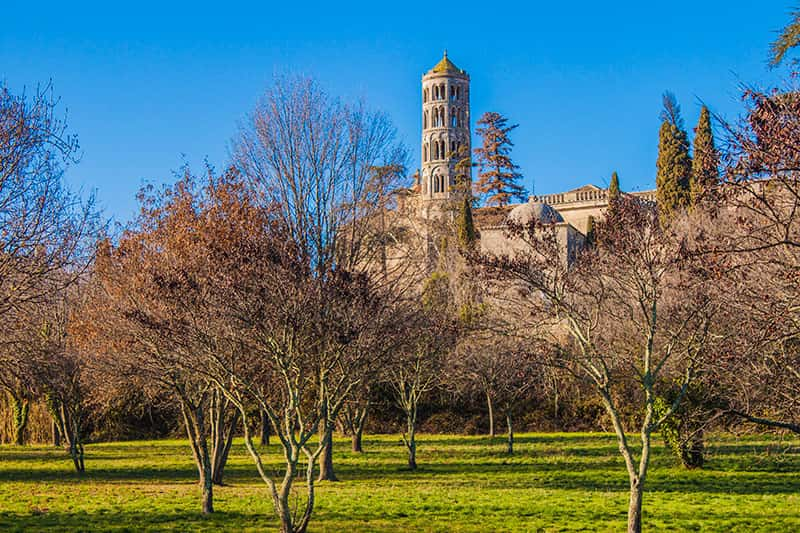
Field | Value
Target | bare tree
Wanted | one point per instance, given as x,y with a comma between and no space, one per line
148,315
330,168
417,367
494,364
630,311
752,235
44,227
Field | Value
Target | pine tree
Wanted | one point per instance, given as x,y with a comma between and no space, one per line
498,177
613,187
705,164
787,40
674,166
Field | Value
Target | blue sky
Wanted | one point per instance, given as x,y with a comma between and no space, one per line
151,85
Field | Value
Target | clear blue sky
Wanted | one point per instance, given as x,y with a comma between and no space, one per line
149,85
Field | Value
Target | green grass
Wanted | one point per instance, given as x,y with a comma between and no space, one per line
555,482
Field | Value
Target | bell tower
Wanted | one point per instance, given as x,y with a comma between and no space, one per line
445,132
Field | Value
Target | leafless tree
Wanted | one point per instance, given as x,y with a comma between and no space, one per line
494,364
417,367
148,315
630,312
752,235
330,168
44,227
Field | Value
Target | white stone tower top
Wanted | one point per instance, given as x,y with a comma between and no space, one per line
445,130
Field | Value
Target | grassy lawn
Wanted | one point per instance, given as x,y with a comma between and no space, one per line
555,482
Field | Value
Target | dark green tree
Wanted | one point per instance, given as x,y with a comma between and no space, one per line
591,237
705,164
613,187
465,224
498,177
674,165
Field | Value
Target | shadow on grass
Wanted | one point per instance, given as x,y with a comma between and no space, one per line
113,520
548,462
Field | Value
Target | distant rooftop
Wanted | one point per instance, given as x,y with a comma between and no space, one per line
445,66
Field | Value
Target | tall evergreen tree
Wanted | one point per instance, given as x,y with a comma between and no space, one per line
591,236
498,177
705,164
674,165
613,187
465,224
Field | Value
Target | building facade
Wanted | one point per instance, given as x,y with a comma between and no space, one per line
446,135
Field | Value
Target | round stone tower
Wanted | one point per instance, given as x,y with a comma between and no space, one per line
445,131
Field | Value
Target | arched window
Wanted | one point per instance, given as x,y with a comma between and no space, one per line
453,118
425,95
425,153
435,150
435,183
425,120
453,149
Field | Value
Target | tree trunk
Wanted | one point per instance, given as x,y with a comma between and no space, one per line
208,494
223,426
221,449
56,434
510,445
194,419
411,442
635,507
264,437
19,409
326,472
71,426
491,415
356,440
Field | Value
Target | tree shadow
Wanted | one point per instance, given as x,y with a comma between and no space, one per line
40,519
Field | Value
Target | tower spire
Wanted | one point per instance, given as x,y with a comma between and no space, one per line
445,132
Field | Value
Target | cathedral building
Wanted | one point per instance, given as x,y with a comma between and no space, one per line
445,133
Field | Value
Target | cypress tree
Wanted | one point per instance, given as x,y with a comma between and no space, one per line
590,231
705,164
498,175
613,187
466,226
674,166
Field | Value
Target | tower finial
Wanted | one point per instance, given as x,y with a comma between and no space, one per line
445,52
